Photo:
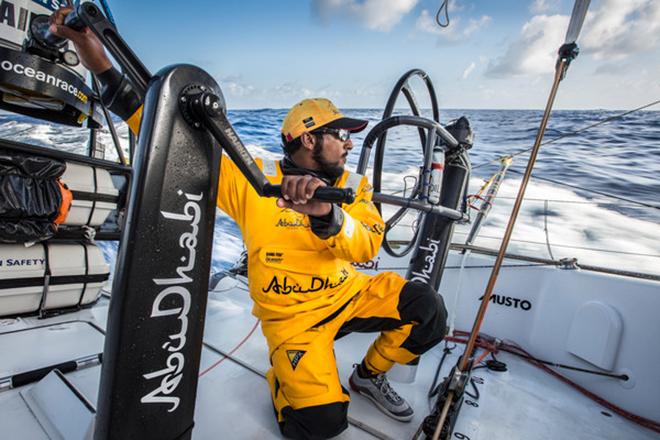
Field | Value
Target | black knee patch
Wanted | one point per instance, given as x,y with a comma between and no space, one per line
422,304
440,319
314,422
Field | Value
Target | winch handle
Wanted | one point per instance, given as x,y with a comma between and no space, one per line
323,194
207,109
87,14
73,21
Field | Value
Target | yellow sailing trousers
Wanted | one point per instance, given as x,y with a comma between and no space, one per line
304,381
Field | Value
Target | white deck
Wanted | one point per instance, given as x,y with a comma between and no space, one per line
233,399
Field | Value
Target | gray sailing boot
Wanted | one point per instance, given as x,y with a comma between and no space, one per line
378,390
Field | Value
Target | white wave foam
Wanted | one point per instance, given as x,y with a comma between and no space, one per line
227,242
581,229
576,228
262,152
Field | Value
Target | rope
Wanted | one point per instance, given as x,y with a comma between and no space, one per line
642,421
443,6
513,348
623,377
482,357
233,350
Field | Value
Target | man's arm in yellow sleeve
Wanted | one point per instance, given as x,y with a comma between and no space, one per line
120,97
355,232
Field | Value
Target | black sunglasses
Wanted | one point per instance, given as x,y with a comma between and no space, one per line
340,133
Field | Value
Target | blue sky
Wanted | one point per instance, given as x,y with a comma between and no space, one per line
495,54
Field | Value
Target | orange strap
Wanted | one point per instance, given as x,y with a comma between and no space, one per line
65,206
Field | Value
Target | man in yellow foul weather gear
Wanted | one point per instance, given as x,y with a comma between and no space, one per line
305,289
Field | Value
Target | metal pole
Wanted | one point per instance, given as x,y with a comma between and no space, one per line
111,125
512,220
567,52
465,359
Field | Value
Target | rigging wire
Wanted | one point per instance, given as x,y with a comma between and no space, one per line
568,246
574,202
595,191
108,118
585,128
573,133
631,203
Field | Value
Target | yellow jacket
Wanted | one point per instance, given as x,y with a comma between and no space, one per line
297,279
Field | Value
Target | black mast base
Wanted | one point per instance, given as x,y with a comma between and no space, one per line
454,383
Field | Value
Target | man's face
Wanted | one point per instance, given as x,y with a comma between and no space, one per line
331,154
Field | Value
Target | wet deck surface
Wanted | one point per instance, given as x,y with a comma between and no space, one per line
233,398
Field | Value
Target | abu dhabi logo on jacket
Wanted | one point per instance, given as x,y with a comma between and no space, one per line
282,285
292,219
367,265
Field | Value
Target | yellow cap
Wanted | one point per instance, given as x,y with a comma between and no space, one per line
310,114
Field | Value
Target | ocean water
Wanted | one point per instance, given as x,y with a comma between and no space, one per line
608,216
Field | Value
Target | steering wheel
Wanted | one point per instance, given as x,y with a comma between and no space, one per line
401,86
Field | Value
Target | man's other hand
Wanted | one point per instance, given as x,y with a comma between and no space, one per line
297,192
89,48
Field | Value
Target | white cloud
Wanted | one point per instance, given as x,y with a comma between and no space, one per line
543,6
380,15
456,31
454,7
614,68
474,25
294,92
620,28
469,70
237,90
535,51
234,85
426,23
